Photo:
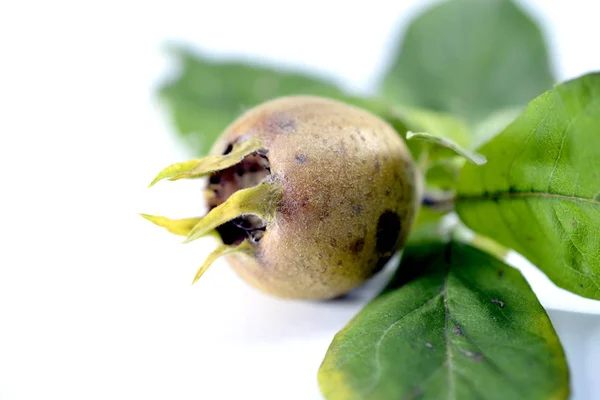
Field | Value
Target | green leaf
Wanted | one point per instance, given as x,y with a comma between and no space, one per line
443,174
207,95
473,157
493,125
470,58
539,193
444,125
428,226
436,123
439,164
457,323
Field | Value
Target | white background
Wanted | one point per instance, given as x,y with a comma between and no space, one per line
97,304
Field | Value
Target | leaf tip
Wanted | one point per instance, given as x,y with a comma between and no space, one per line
478,159
410,135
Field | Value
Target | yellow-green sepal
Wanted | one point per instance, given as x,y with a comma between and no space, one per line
180,227
203,166
261,200
243,248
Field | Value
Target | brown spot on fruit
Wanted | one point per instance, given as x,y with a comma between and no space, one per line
388,232
281,123
300,158
357,209
360,134
304,201
357,245
323,214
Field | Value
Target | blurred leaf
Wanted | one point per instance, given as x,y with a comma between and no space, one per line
539,193
207,95
455,323
443,160
488,245
405,119
428,226
470,58
435,123
464,235
471,156
443,174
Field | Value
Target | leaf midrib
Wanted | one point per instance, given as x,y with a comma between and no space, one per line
451,381
509,195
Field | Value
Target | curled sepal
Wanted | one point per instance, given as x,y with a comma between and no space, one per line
260,200
203,166
180,227
243,248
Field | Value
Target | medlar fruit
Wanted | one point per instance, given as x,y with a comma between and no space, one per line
309,196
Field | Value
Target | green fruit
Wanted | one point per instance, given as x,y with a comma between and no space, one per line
309,196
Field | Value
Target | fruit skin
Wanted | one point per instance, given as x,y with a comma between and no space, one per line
350,193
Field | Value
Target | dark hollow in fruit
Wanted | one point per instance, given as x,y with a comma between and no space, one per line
247,173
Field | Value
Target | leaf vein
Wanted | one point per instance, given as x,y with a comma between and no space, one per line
509,195
377,374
